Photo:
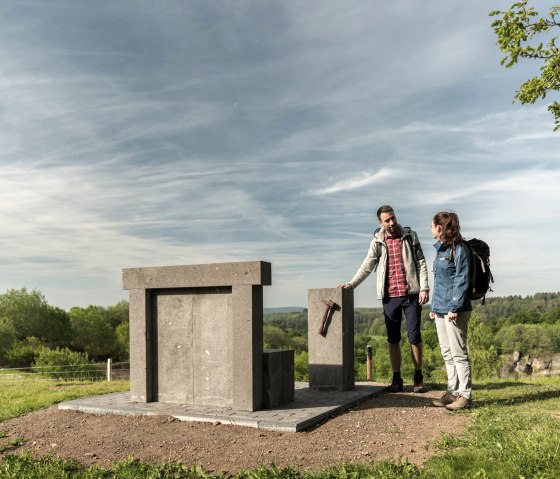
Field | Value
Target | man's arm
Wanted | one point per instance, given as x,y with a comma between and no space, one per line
368,265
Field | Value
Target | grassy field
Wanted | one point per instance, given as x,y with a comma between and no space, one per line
515,434
28,393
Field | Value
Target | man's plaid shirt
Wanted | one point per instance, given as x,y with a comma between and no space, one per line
396,275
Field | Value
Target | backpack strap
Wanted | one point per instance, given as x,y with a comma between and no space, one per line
417,252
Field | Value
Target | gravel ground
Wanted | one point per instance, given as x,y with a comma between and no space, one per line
398,427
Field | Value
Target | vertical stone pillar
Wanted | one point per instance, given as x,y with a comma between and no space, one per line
331,354
247,316
141,387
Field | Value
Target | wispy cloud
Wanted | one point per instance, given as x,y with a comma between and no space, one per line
365,179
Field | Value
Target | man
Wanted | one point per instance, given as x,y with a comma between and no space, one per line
402,285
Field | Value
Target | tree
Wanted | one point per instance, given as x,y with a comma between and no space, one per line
118,313
92,333
123,339
31,316
520,31
275,337
7,336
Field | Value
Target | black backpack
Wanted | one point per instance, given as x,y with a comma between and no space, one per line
480,275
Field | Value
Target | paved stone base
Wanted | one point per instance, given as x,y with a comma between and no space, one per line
309,408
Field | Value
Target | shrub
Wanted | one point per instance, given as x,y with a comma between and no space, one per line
65,364
22,353
300,366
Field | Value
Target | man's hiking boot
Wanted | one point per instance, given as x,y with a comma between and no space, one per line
419,383
396,386
443,401
460,403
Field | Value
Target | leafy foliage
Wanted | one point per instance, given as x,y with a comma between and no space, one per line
516,28
58,363
92,332
294,323
28,323
7,336
489,336
504,324
29,314
482,352
301,360
123,337
22,354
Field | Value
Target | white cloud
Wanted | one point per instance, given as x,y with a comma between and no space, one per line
365,179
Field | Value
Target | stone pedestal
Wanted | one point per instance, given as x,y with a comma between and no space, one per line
196,334
278,380
331,351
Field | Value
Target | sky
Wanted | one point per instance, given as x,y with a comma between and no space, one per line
139,133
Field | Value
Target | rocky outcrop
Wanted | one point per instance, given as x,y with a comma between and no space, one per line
520,365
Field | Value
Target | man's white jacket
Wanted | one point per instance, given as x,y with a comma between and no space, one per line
413,260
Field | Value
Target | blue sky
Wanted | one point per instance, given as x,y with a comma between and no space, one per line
144,133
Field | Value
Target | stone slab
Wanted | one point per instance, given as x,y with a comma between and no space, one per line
309,408
198,275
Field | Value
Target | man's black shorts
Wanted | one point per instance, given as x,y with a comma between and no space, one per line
393,309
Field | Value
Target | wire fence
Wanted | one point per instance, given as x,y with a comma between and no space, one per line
105,371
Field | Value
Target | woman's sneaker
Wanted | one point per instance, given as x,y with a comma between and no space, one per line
443,401
460,403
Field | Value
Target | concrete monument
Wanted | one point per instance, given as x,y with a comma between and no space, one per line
196,334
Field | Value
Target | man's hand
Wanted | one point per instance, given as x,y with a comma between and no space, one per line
432,315
451,316
424,297
344,285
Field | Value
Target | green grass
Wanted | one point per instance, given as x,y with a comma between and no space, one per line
515,434
29,393
20,466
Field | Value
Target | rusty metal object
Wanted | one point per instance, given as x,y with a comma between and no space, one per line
330,306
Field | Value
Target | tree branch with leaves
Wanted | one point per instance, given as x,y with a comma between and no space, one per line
523,33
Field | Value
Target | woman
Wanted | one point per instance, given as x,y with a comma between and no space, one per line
451,308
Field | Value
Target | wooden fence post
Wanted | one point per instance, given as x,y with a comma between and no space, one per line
109,361
369,365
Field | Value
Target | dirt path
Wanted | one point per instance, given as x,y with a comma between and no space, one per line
392,426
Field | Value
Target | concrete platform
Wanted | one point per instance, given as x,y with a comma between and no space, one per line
309,408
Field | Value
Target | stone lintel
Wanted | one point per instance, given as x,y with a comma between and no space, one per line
198,275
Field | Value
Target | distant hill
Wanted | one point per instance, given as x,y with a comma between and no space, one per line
284,309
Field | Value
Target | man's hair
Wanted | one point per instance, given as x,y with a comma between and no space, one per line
384,209
450,227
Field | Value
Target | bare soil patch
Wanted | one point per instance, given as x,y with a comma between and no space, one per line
397,427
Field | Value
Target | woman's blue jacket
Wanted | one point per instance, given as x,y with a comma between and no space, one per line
451,279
